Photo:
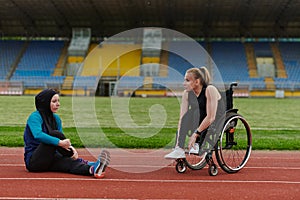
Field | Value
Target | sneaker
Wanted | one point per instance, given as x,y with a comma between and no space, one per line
177,153
194,149
101,164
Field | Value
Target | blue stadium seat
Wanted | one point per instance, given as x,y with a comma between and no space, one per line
291,59
230,60
85,82
130,82
40,81
9,50
262,49
38,63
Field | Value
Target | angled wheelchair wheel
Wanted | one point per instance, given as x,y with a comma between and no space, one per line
180,166
235,143
195,161
213,170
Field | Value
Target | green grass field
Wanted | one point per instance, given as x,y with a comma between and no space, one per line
148,122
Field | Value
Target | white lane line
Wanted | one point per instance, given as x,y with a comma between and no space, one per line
290,157
169,166
34,198
156,180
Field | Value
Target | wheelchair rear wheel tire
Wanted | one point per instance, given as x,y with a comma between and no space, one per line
235,143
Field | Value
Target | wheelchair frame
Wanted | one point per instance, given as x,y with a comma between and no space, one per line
232,150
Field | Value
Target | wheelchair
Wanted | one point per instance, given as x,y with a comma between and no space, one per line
232,149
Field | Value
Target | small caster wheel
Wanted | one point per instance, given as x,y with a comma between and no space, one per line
180,166
213,170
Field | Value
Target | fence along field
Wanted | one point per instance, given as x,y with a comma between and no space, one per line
274,122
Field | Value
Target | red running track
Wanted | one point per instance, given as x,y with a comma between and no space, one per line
267,175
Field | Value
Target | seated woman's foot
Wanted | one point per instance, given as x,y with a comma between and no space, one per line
101,164
176,154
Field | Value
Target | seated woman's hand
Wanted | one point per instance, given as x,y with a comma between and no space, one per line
66,143
75,153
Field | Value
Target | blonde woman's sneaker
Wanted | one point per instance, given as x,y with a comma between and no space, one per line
194,149
176,154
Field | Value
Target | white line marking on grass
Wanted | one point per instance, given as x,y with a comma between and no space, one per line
154,180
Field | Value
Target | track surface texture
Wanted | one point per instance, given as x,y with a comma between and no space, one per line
267,175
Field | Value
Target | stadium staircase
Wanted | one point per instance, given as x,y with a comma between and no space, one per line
163,67
250,55
68,83
270,84
61,63
280,68
148,81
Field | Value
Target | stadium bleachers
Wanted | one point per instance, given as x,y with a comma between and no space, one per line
130,82
37,65
186,54
262,49
40,81
9,50
231,61
291,59
178,64
103,61
182,55
85,82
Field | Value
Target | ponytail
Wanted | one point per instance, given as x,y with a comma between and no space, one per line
205,76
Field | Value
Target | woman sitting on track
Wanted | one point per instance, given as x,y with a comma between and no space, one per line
201,103
46,147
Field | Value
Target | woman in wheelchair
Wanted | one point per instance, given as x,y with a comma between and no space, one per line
200,109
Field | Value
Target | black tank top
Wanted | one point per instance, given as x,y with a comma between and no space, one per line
198,103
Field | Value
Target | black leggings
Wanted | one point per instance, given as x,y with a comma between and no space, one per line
53,158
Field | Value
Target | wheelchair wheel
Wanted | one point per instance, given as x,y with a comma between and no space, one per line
235,144
213,170
195,161
180,166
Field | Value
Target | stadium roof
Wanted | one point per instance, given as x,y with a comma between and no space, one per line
196,18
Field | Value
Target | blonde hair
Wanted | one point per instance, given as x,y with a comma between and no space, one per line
200,73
